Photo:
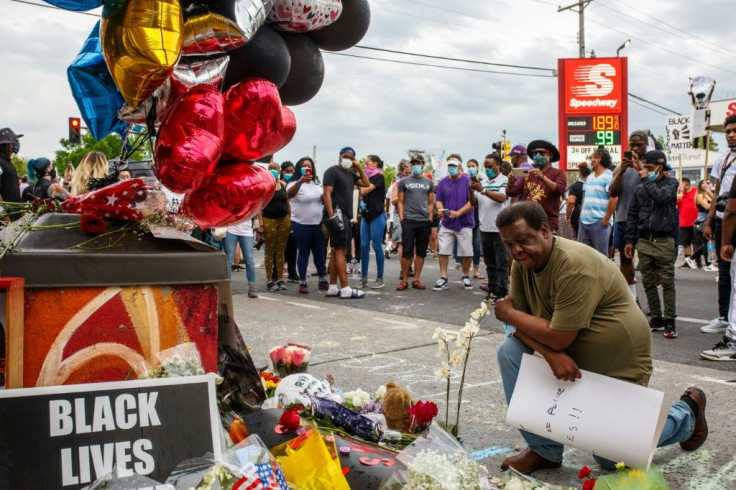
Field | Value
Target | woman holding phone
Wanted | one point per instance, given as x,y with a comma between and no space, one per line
305,194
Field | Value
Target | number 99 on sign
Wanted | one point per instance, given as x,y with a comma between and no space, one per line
604,138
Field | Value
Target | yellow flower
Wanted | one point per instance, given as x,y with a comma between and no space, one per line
620,466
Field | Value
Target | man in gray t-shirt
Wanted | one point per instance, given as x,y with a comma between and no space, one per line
625,179
416,204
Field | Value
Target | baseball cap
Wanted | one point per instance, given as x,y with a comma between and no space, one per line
347,149
453,161
8,136
518,150
658,158
417,158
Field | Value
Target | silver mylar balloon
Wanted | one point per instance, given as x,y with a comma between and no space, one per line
199,71
222,25
161,96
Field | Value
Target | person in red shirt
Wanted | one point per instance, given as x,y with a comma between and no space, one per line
688,213
544,184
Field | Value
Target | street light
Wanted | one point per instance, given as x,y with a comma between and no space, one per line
626,43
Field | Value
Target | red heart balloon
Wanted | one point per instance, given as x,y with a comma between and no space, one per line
256,124
190,141
233,193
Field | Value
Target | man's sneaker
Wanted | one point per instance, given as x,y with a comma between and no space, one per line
281,285
691,263
303,288
717,325
272,286
363,283
670,332
466,283
441,284
700,430
724,350
323,285
252,292
378,284
711,268
656,324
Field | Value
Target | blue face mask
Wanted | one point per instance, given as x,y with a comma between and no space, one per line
540,161
652,176
490,173
287,177
275,174
16,147
416,170
472,171
452,170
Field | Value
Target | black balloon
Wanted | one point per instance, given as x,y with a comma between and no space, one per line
347,30
307,70
266,55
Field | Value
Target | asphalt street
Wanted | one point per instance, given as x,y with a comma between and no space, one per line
386,336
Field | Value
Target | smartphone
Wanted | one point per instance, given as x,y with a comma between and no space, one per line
446,212
521,172
307,171
628,155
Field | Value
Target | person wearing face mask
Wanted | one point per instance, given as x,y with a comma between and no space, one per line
9,185
276,228
455,204
652,216
416,203
287,171
403,170
40,172
339,182
598,205
491,197
474,174
544,184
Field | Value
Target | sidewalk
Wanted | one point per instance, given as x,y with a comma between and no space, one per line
365,349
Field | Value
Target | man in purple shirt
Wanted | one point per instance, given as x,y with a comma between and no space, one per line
455,202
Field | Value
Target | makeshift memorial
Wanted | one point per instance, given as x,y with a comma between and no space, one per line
422,414
344,418
462,339
299,389
290,359
356,400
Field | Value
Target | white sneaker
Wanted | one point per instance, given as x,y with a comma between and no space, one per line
711,268
717,325
691,263
724,350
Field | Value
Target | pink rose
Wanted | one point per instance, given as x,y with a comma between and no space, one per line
277,354
297,356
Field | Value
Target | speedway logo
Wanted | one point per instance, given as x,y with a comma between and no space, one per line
593,84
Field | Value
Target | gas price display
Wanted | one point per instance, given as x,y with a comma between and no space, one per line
586,133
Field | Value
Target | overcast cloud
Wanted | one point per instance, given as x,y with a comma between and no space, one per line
388,108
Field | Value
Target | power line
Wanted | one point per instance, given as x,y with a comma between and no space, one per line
647,107
661,29
659,47
668,25
652,103
477,62
440,66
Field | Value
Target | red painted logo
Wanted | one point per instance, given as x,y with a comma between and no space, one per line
592,85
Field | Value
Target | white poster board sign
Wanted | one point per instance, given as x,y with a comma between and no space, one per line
608,417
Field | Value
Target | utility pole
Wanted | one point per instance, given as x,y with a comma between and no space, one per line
581,23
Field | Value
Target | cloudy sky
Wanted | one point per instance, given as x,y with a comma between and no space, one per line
386,108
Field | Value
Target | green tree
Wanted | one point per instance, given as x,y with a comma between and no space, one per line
389,174
110,145
20,164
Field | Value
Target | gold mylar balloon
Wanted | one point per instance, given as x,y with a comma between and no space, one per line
142,44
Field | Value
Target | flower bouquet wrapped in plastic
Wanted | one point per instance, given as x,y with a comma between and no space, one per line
436,461
290,359
180,360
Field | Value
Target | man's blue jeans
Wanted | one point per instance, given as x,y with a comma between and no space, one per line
309,238
596,235
678,427
371,232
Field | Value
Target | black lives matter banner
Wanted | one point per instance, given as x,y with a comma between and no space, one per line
68,436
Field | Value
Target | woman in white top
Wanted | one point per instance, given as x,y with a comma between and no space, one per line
241,233
305,195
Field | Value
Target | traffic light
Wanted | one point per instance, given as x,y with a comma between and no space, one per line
75,131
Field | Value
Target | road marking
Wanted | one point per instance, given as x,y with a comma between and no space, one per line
261,296
692,320
395,322
714,380
488,452
304,306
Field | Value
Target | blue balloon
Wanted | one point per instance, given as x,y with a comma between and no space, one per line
76,5
97,96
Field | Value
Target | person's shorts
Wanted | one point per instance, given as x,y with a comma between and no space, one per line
463,237
619,235
436,222
341,239
687,233
396,229
415,235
